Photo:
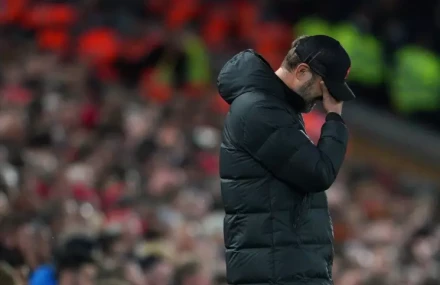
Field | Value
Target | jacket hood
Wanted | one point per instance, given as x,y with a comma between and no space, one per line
248,71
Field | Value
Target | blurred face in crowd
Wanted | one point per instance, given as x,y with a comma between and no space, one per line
197,279
25,239
85,275
69,114
351,277
423,249
134,274
118,249
13,75
160,274
192,204
12,126
4,204
43,239
137,126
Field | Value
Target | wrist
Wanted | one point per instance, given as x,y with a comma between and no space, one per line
333,116
335,112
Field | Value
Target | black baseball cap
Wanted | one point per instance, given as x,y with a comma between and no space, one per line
328,58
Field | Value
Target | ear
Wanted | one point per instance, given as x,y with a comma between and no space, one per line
303,73
308,76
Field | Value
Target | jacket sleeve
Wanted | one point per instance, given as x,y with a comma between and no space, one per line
277,142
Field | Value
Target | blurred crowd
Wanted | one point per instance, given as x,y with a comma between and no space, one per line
110,127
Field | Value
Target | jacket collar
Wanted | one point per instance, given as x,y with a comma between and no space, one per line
248,71
291,97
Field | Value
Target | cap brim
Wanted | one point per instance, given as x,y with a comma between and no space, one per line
339,90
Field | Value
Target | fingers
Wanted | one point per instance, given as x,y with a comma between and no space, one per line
326,94
324,89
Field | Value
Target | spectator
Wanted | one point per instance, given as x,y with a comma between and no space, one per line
7,275
189,273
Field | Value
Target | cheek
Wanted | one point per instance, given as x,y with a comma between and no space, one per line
316,96
317,89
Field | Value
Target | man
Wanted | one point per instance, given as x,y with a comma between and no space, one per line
74,263
277,226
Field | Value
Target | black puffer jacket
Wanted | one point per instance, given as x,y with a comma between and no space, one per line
277,227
